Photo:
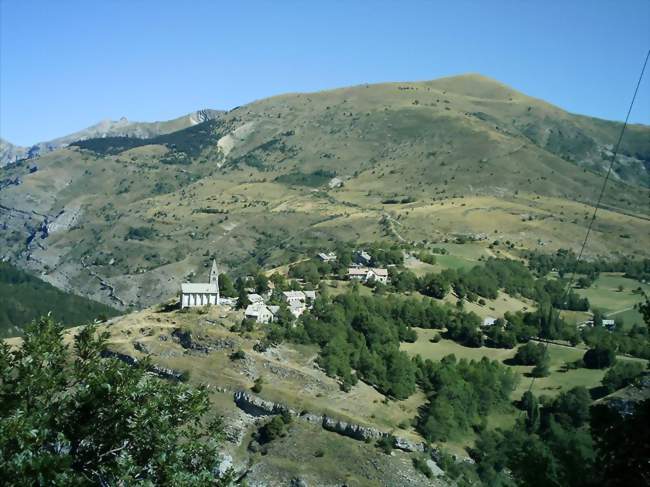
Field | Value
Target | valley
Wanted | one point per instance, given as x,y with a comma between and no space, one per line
472,199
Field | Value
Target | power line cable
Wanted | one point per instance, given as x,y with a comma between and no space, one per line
597,206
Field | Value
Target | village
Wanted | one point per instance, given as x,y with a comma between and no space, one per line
264,306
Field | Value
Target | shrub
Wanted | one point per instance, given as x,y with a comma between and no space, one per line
238,355
257,385
599,357
621,375
420,464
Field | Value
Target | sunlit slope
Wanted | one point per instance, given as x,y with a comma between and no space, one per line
125,220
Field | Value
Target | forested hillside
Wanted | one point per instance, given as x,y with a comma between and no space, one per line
24,298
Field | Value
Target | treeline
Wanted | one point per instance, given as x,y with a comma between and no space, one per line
566,262
634,342
486,280
461,394
25,298
185,143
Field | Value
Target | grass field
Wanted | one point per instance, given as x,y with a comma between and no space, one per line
558,381
604,294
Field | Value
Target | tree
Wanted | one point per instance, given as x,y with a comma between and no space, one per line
80,419
530,354
242,299
435,285
541,369
600,357
621,375
226,287
622,444
261,283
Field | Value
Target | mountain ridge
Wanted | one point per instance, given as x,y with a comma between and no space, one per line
10,152
267,181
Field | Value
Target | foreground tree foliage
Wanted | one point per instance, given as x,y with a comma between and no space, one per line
80,419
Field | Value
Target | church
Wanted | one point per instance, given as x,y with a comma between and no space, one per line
201,294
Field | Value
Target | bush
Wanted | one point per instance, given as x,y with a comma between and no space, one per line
272,430
238,355
257,385
420,464
386,444
600,357
622,374
140,233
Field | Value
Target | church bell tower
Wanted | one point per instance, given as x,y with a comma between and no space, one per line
214,278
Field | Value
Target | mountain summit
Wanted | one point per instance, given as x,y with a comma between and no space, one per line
125,220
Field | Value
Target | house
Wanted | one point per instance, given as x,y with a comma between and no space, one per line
361,257
606,323
294,297
259,312
609,324
201,294
299,301
489,321
366,274
255,298
329,257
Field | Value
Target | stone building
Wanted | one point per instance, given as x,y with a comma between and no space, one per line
201,294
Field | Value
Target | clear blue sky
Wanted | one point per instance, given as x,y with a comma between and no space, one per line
67,64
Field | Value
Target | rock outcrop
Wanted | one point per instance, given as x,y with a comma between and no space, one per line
199,344
256,406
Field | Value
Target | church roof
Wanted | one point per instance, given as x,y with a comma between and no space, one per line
194,287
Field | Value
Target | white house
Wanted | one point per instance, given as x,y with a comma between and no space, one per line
294,297
201,294
366,274
298,301
329,257
260,312
255,298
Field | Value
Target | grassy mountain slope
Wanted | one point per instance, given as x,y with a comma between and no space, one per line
126,220
25,297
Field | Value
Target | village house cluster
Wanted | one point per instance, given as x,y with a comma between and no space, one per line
195,295
297,302
260,307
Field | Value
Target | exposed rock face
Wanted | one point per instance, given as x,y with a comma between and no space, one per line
351,430
141,347
190,342
256,406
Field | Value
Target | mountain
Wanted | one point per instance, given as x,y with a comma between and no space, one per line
25,298
123,127
126,220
